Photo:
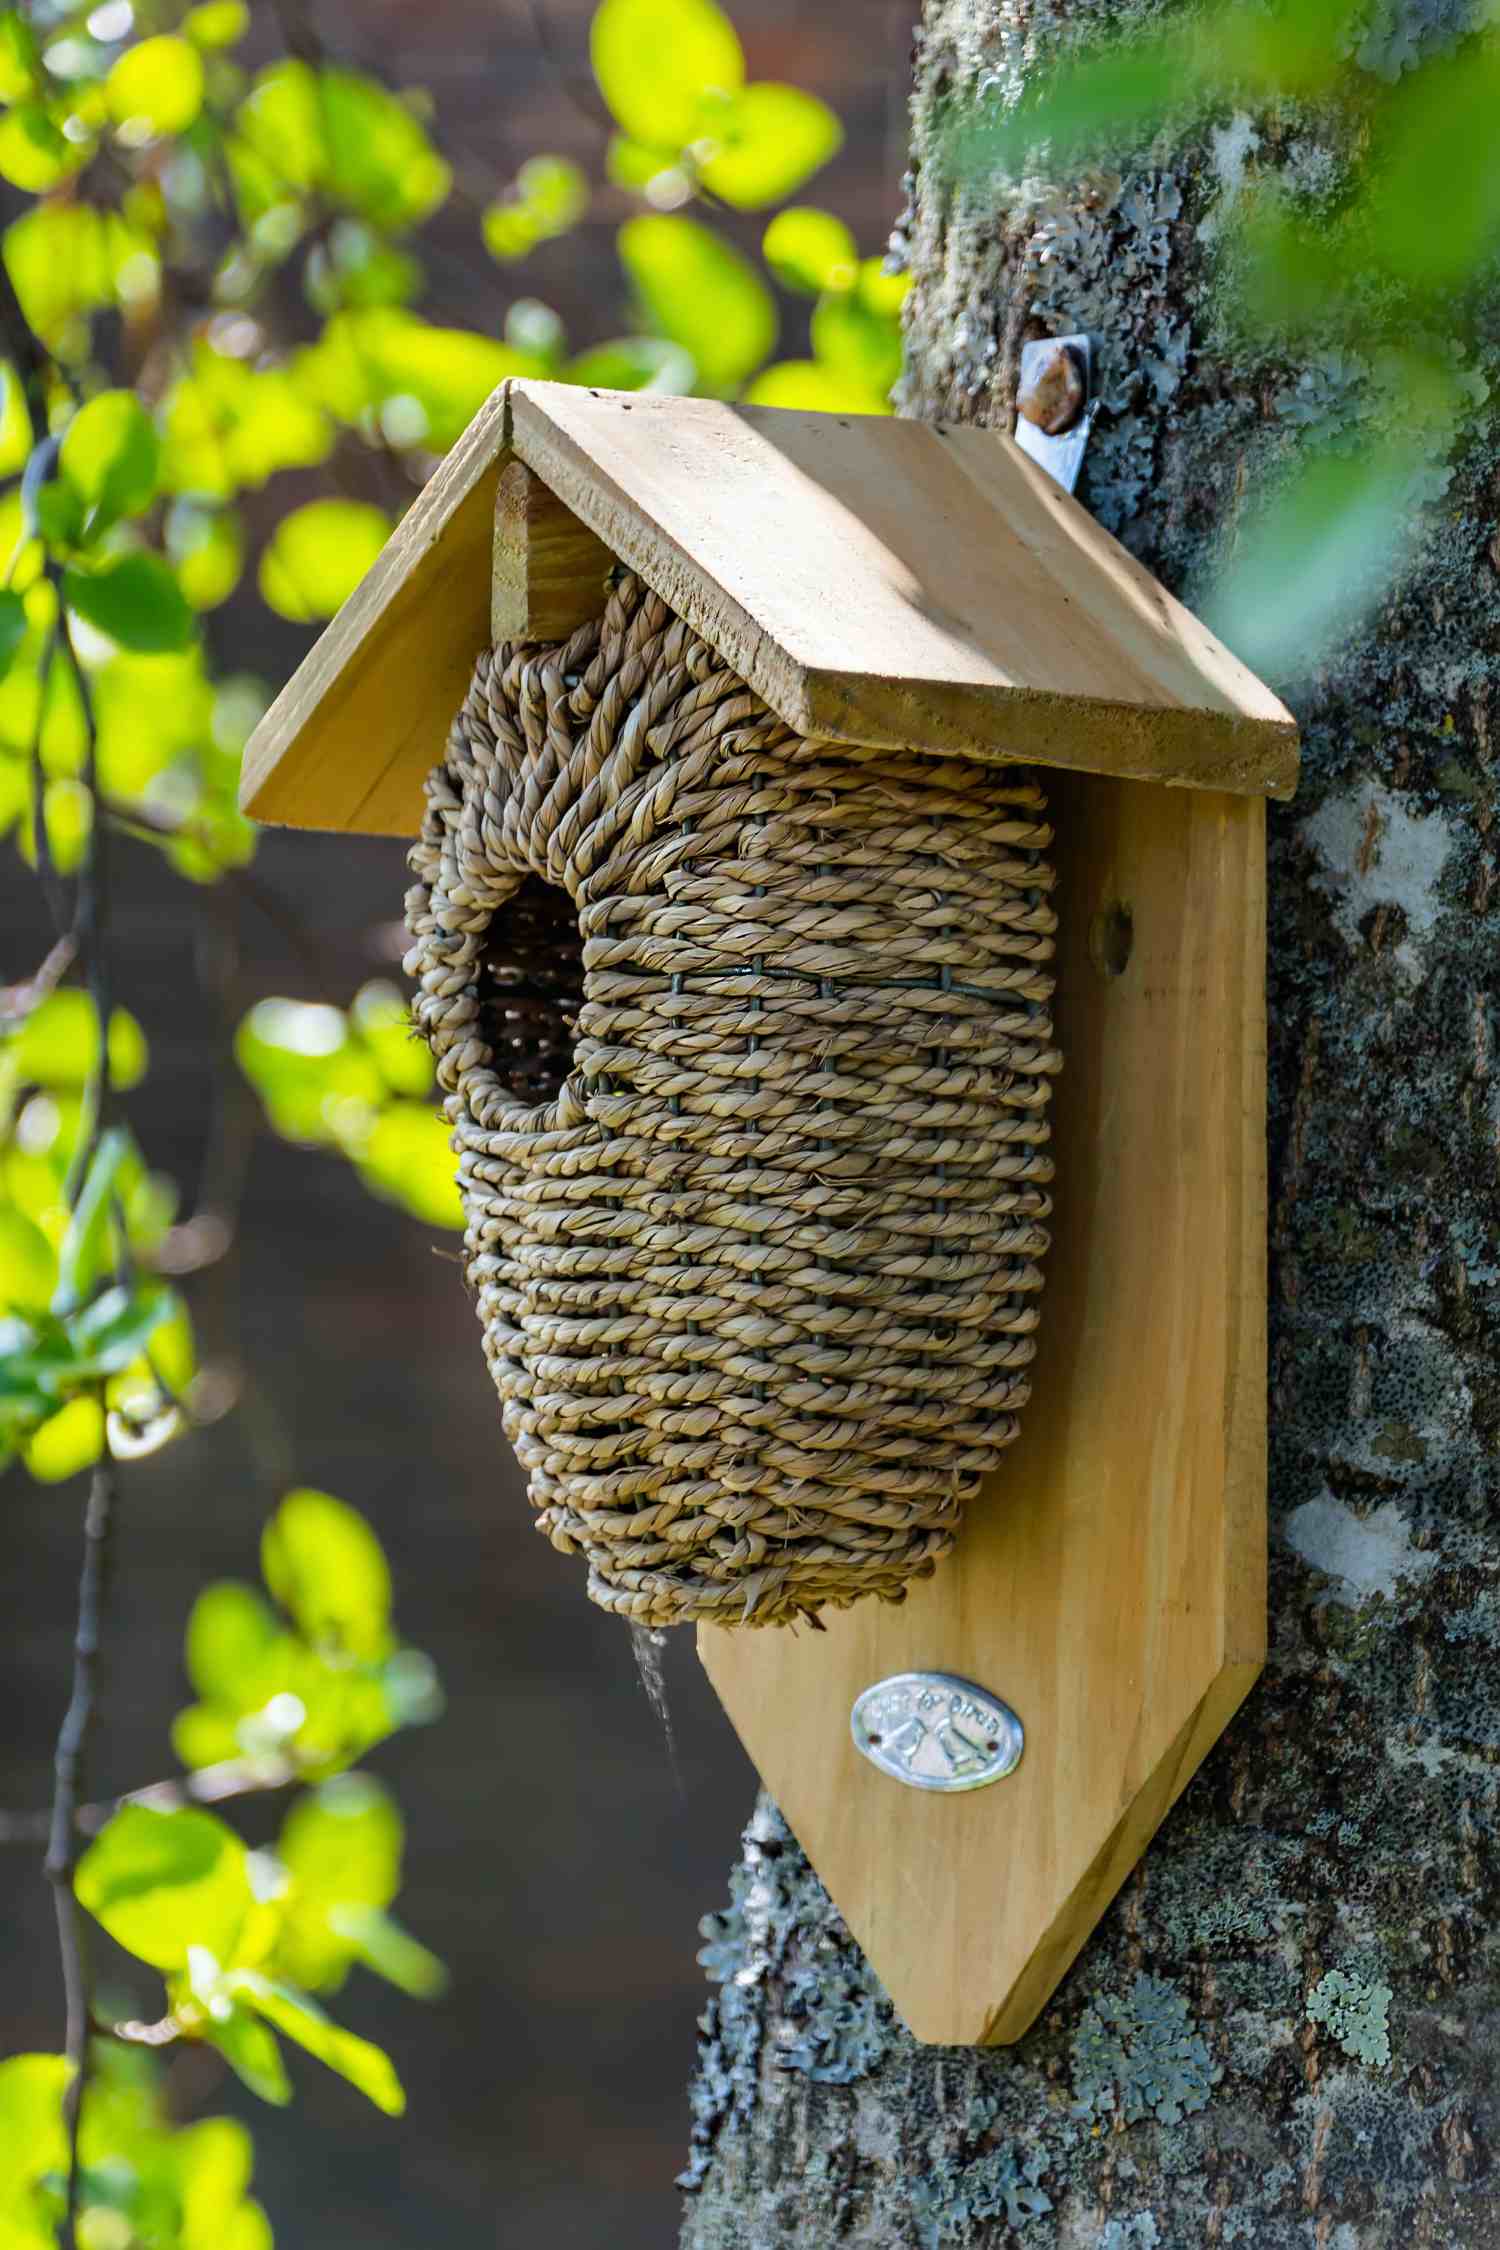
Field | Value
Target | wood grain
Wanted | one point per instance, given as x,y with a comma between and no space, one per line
890,582
350,739
1110,1584
549,570
875,581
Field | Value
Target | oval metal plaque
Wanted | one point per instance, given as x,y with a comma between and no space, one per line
935,1731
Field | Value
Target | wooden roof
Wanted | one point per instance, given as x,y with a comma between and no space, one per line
876,581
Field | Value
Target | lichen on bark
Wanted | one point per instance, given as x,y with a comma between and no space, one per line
1193,2082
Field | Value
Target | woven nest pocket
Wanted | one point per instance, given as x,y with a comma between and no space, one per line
745,1044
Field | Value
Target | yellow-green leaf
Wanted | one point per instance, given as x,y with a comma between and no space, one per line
217,23
765,143
657,60
28,1263
407,1156
58,1045
700,293
156,88
296,2017
810,250
207,548
135,601
328,1570
160,1882
70,1441
812,387
35,155
317,556
111,456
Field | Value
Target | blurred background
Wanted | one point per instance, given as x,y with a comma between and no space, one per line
555,1859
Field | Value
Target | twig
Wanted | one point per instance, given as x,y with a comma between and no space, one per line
62,1841
299,34
210,1785
18,1001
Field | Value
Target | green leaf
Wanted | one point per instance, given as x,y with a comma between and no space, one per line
68,810
317,556
765,143
882,292
657,60
633,166
62,258
16,434
327,1569
861,345
383,1021
701,294
366,2067
155,88
551,195
226,425
407,1156
84,1255
113,1330
217,23
634,363
318,1086
1319,555
810,250
346,135
252,2054
379,160
21,70
811,386
34,153
58,1044
204,1734
160,1882
28,1263
33,2140
207,550
135,602
111,456
424,384
12,627
392,1952
341,1843
213,2161
233,1638
70,1441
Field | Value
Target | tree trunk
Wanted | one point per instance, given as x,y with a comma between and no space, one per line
1283,2033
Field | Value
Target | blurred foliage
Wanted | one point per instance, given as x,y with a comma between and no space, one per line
218,381
1373,263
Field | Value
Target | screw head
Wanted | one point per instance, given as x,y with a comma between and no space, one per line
1053,392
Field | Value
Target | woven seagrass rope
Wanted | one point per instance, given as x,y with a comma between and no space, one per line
754,1175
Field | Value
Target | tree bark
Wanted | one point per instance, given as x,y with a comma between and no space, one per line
1283,2033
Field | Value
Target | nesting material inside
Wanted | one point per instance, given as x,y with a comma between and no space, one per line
746,1044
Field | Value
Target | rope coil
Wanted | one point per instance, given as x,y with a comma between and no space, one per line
745,1044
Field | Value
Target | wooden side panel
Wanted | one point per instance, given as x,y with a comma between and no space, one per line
1110,1583
549,570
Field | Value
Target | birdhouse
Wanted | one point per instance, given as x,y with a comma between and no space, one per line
794,794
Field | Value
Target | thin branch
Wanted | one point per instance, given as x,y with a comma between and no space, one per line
18,1001
209,1785
62,1840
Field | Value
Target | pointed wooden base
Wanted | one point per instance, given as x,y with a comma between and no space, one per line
1110,1583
